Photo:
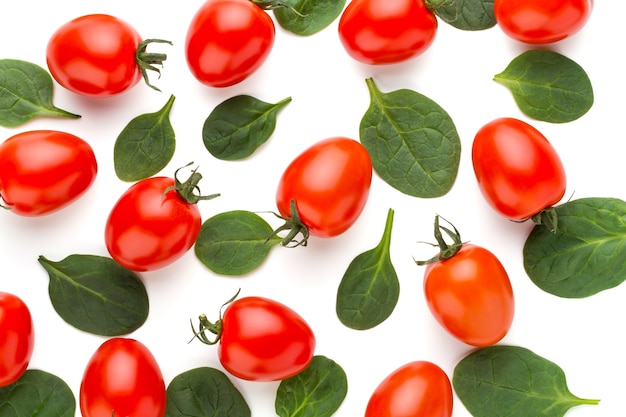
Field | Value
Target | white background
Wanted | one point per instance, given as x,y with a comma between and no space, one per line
584,337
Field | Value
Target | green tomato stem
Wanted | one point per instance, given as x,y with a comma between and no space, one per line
446,250
147,60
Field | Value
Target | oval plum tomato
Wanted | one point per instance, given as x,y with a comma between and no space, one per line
42,171
329,183
155,222
121,379
99,55
17,338
518,171
417,389
541,21
260,339
227,41
386,31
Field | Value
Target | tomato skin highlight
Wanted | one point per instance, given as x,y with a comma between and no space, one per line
417,389
264,340
122,378
17,338
227,41
94,55
330,183
148,229
518,171
42,171
386,31
541,21
470,295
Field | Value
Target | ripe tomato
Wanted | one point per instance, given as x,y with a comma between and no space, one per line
417,389
329,183
227,41
122,379
42,171
17,338
518,171
386,31
541,21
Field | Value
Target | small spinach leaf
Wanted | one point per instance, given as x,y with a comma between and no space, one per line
307,17
145,146
586,253
204,392
511,381
318,391
464,14
369,290
26,92
37,393
548,86
97,295
240,125
413,142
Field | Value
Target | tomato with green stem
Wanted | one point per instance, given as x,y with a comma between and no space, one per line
17,338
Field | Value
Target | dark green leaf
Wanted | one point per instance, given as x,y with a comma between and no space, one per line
37,394
97,295
235,242
464,14
204,392
307,17
26,93
413,142
587,252
369,289
510,381
146,145
318,391
239,126
548,86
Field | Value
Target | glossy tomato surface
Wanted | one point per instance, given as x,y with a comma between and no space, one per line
42,171
470,295
264,340
330,183
121,379
17,338
227,41
518,171
386,31
148,229
417,389
94,55
541,21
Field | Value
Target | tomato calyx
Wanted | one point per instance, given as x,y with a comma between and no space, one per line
547,218
446,250
189,191
275,4
294,227
214,328
146,61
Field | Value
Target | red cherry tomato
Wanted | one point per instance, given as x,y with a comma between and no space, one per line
17,338
417,389
518,171
42,171
386,31
541,21
122,379
329,183
227,41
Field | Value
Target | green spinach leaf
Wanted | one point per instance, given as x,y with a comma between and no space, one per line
97,295
26,92
464,14
307,17
369,290
413,142
548,86
586,253
511,381
37,393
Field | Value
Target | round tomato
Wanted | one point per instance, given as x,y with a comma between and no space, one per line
227,41
122,379
518,171
417,389
541,21
17,338
42,171
386,31
329,184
